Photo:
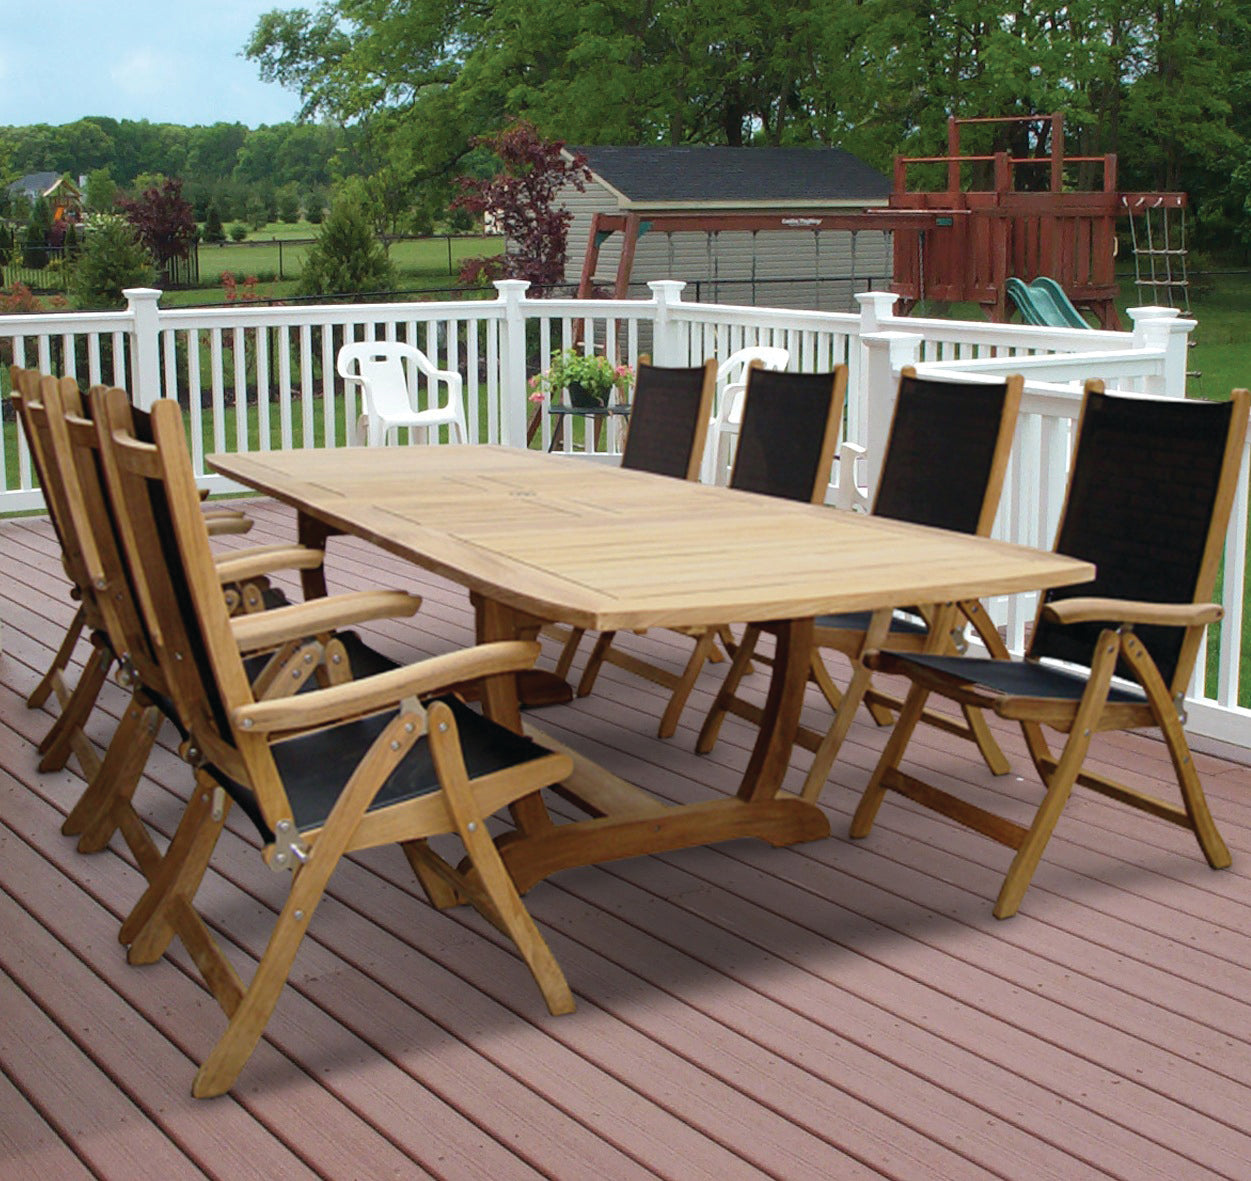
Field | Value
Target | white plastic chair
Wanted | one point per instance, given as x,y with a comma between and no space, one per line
388,390
731,384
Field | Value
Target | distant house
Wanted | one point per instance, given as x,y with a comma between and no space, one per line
64,197
767,226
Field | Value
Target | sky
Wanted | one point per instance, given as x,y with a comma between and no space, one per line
167,61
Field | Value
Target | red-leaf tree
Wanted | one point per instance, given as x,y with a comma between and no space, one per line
522,199
164,221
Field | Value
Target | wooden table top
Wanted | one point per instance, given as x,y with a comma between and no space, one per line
602,548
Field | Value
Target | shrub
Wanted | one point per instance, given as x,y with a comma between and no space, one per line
112,259
213,230
35,238
238,231
289,206
346,258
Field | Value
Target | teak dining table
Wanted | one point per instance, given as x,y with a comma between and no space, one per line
537,537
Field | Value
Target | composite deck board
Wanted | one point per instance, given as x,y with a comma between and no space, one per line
836,1009
29,1145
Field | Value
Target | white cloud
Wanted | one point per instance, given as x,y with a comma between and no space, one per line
167,63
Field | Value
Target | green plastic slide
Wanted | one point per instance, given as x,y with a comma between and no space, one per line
1044,302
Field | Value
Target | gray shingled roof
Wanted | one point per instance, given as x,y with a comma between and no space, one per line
34,184
749,175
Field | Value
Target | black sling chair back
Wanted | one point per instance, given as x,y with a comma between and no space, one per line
946,456
1149,498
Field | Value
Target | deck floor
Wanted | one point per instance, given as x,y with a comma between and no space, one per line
832,1010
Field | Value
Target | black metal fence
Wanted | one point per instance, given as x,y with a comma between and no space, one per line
51,270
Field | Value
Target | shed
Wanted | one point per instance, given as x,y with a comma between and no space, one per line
782,227
63,196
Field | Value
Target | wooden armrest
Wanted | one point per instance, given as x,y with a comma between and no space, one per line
226,523
266,629
265,559
1091,610
321,706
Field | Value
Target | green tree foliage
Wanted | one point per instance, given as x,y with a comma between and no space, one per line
346,258
101,191
214,232
1164,84
36,236
288,204
111,259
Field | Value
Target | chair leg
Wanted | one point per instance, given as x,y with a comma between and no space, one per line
58,743
1062,777
827,752
437,878
44,689
510,912
568,651
1193,799
1059,788
844,715
95,817
738,667
148,928
218,1072
875,792
704,649
992,753
594,662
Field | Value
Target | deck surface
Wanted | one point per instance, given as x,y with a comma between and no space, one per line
833,1010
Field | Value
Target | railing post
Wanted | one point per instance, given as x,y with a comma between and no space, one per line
145,377
876,307
669,345
885,354
513,363
1165,330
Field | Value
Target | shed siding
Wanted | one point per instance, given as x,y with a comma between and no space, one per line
795,268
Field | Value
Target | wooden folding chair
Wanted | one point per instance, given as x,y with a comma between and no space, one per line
381,760
71,447
944,465
65,736
1148,502
666,437
789,428
76,701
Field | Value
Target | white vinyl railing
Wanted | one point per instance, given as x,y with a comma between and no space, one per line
261,378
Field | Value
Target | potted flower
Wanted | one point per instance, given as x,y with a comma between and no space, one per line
589,378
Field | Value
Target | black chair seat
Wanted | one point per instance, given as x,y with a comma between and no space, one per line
273,596
1017,678
315,767
900,622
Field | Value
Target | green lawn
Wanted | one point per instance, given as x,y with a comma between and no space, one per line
427,264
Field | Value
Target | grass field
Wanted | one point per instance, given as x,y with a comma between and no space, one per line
276,253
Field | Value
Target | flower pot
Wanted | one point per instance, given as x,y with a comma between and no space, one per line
583,398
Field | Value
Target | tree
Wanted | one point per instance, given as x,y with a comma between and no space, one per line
112,258
101,192
213,230
346,258
163,220
1164,84
288,200
522,198
36,236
